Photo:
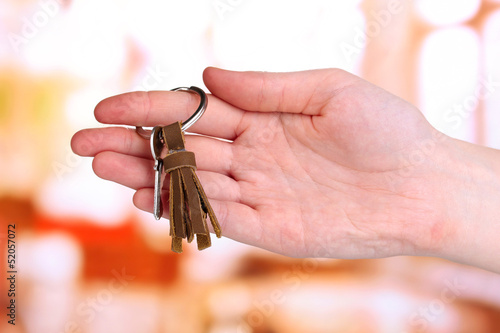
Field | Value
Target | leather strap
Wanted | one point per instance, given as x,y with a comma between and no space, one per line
189,205
179,160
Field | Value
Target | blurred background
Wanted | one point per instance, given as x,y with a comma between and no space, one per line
89,261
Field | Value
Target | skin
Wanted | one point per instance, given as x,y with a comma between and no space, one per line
318,164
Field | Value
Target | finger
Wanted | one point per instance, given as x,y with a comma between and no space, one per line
92,141
211,154
165,107
297,92
237,221
136,173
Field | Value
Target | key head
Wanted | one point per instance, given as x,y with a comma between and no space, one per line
157,142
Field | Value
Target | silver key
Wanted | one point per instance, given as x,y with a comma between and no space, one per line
157,145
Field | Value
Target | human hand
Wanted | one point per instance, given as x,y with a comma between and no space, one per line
321,163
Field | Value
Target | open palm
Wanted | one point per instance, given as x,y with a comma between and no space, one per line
315,163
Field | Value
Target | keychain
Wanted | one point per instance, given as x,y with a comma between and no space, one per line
188,203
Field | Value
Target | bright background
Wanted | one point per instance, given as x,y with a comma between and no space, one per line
89,261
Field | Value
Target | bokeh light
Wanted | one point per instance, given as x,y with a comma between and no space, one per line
447,12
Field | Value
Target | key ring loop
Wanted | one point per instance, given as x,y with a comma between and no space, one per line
146,134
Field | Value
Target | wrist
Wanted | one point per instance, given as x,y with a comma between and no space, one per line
470,189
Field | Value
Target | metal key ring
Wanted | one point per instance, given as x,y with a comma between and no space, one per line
146,134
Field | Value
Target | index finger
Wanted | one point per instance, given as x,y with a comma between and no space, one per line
165,107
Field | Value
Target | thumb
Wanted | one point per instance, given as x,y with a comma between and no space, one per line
295,92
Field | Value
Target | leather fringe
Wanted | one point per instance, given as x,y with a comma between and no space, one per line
189,205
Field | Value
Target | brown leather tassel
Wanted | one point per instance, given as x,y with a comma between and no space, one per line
189,205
